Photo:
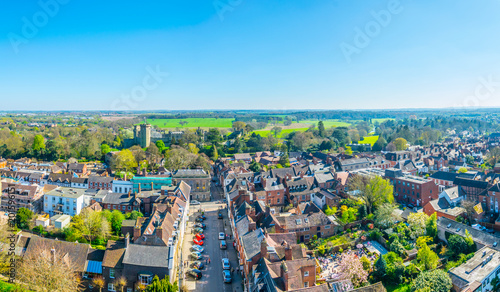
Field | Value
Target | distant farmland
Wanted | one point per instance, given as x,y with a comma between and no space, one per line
327,123
192,123
369,140
284,132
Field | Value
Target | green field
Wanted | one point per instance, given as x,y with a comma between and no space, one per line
193,123
327,123
284,132
369,140
4,286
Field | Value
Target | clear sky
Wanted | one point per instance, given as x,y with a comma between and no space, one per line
248,54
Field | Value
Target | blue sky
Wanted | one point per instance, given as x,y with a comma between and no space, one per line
98,55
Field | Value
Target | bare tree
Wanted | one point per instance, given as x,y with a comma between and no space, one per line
98,282
468,205
46,269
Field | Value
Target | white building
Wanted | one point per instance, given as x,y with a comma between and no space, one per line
122,186
69,201
60,221
80,182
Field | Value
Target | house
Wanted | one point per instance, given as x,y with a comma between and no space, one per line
325,180
97,182
352,164
138,264
300,189
79,182
43,221
16,196
411,190
477,273
64,200
245,157
124,203
122,186
79,168
306,226
197,179
443,179
58,179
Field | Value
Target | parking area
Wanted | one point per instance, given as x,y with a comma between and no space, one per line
212,279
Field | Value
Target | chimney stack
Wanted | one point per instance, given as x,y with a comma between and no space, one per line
129,192
263,249
127,240
284,274
288,253
139,191
152,186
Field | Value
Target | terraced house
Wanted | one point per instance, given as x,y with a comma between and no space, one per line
197,179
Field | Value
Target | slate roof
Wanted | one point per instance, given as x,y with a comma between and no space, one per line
251,243
444,175
146,255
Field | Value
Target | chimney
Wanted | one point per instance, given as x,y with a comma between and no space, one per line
288,253
263,249
139,188
284,274
137,231
53,254
159,232
152,186
129,192
268,210
125,176
127,240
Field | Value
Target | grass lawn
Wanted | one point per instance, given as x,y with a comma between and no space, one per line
398,288
369,140
380,121
4,286
327,123
193,123
284,132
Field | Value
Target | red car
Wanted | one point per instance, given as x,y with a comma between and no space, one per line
200,236
197,241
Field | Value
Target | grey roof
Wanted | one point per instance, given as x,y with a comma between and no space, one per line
66,192
477,235
117,198
452,193
251,243
444,175
186,173
146,256
481,265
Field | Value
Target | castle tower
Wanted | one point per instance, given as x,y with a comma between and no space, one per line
145,135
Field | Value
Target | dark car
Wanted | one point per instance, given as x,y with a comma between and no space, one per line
197,265
220,215
198,220
223,244
227,276
202,217
196,274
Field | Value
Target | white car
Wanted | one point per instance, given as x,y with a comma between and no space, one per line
225,264
222,236
194,202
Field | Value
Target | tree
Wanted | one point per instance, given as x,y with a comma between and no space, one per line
384,217
431,226
416,222
214,136
351,269
321,129
390,147
161,145
239,126
124,160
398,248
116,221
380,267
162,285
23,218
44,268
457,245
99,282
330,211
468,205
133,215
254,166
434,280
38,143
494,156
121,283
380,144
215,154
462,170
354,134
105,149
90,225
374,191
276,131
366,263
427,259
400,144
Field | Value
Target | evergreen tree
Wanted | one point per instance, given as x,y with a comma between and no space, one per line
321,129
380,267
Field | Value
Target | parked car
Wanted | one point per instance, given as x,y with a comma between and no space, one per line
197,265
194,202
196,274
202,217
223,244
198,230
201,225
225,264
227,276
200,236
222,236
198,220
196,255
220,215
198,242
197,248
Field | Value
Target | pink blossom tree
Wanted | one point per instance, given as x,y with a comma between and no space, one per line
351,268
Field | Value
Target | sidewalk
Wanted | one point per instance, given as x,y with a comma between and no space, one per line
233,258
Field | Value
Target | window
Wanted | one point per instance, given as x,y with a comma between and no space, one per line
327,227
112,273
306,284
306,274
306,237
278,200
111,287
145,279
130,207
129,289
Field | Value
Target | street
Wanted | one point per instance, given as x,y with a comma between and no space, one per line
212,279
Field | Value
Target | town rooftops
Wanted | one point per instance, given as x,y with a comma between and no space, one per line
444,175
484,262
66,192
